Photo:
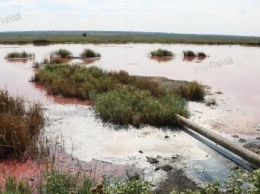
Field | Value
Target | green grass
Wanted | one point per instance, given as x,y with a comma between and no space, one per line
61,53
193,91
79,81
201,55
161,53
23,55
59,182
100,39
128,105
73,81
88,53
118,97
189,54
20,126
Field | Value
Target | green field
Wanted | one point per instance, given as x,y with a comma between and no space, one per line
106,37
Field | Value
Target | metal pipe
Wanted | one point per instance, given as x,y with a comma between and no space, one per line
244,153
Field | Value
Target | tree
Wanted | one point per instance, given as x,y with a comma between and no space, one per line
84,34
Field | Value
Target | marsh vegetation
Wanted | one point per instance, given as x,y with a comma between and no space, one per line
61,53
88,53
19,55
21,126
191,54
161,53
118,97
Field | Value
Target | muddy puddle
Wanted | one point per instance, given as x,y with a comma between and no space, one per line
231,70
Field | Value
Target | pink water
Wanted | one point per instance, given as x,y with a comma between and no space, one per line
240,77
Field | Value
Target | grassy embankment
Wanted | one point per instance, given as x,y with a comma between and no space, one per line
118,97
99,39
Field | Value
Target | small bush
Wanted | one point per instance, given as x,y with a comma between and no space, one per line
61,53
22,55
88,53
192,91
189,53
201,55
20,126
161,53
132,186
36,65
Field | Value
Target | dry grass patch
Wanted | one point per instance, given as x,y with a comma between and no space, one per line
20,126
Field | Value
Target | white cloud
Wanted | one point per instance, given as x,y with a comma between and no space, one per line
238,17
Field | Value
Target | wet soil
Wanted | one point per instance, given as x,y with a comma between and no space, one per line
254,147
176,181
168,84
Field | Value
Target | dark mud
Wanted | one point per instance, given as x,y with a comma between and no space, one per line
176,181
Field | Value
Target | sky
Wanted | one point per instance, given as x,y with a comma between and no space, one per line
224,17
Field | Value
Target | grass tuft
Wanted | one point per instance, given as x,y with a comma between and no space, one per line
161,53
20,126
193,91
22,55
201,55
88,53
189,53
61,53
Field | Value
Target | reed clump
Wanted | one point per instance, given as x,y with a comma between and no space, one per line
20,127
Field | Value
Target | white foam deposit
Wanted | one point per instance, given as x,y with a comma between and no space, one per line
87,138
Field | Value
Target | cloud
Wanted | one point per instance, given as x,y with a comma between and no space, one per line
237,17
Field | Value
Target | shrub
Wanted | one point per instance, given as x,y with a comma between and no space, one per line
161,53
61,53
189,53
19,55
192,91
128,105
201,55
20,126
88,53
132,186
